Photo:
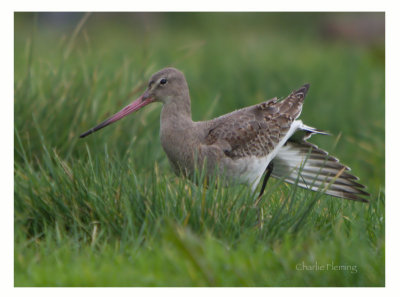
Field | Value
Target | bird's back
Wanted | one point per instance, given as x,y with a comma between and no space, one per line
258,129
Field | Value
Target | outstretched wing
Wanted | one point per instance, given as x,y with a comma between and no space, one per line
309,167
256,130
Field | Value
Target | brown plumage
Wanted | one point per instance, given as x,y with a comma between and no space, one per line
243,143
255,131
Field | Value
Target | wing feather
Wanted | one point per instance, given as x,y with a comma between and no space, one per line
256,130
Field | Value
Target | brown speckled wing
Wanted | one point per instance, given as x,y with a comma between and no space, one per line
256,130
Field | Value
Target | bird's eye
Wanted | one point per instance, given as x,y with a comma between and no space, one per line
163,81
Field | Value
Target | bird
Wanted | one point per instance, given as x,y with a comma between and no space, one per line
264,139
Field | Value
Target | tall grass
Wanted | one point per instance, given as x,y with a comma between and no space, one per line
107,210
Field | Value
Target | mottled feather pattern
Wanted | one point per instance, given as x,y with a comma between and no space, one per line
256,131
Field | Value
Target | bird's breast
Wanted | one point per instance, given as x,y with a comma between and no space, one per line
180,146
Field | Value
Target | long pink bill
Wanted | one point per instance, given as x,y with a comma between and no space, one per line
135,105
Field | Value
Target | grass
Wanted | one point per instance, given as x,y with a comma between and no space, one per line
108,211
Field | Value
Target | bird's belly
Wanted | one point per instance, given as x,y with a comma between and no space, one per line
247,170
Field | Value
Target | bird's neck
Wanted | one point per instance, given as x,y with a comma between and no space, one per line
176,112
177,133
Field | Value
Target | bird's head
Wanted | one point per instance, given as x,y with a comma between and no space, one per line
167,86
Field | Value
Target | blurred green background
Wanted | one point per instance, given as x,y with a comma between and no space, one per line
72,70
